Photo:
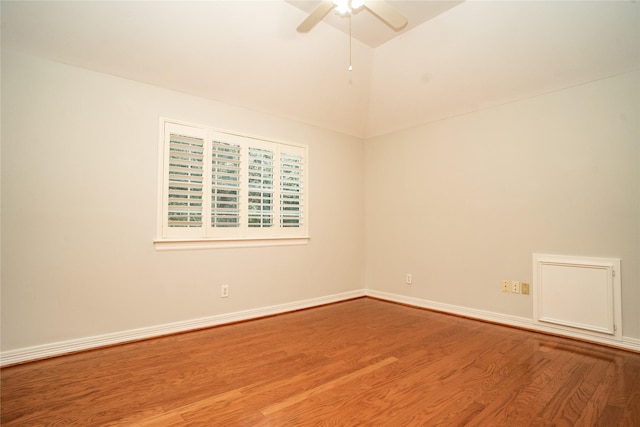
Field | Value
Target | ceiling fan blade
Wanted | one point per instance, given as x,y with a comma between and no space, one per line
387,13
316,16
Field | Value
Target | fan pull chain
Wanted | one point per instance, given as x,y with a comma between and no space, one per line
350,67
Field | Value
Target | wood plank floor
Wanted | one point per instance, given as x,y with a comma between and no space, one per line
362,362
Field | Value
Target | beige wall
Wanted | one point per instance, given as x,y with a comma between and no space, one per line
79,165
462,203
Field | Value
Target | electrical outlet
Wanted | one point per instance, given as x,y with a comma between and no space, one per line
515,287
408,279
224,291
524,288
506,286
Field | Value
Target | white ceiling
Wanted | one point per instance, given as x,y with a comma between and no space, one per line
248,53
373,31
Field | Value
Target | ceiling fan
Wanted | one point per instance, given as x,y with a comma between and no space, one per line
381,9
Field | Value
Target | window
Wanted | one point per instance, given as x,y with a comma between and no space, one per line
218,188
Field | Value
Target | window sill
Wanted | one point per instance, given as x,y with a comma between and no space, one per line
191,244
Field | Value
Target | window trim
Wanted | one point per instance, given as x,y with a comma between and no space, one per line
221,243
249,236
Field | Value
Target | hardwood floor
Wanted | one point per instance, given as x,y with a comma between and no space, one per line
362,362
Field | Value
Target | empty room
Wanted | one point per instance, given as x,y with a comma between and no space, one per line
300,213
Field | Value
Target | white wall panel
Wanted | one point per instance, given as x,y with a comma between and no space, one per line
578,292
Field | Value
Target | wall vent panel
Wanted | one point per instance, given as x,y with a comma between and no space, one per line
578,293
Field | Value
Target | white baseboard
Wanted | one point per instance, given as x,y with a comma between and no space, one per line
627,343
27,354
632,343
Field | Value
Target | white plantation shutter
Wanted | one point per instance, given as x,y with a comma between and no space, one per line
218,185
183,201
225,184
291,187
261,187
